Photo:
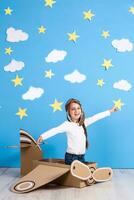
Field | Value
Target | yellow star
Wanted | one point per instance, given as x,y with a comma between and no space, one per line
100,82
118,104
49,74
131,10
8,50
22,113
73,36
8,11
49,3
105,34
56,105
88,15
17,81
41,29
107,64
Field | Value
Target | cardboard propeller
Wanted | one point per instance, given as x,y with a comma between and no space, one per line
81,171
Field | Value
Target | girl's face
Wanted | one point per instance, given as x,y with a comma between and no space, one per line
74,112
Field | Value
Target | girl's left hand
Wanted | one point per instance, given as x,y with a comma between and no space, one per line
39,141
113,109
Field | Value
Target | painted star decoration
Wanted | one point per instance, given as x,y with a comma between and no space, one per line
17,81
100,82
107,64
8,11
8,50
41,29
56,105
22,113
105,34
49,3
73,36
118,104
49,74
131,10
88,15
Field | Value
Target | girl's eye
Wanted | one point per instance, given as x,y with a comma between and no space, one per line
75,109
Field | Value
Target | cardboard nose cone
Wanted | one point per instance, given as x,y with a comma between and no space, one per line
80,170
91,181
102,174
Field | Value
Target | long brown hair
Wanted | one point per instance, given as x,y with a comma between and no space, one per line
81,119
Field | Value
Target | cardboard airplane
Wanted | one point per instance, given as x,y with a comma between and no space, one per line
37,172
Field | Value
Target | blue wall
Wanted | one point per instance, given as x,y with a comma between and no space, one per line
111,139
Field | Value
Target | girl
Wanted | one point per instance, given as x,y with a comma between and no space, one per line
75,128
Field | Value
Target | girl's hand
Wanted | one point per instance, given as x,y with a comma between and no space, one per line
40,139
113,109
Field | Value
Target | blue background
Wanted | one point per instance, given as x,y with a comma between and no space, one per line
111,139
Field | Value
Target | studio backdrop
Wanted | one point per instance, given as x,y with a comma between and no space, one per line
53,50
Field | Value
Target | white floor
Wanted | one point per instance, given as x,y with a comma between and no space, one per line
120,188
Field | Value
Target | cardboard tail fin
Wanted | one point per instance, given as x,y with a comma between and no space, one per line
38,177
29,150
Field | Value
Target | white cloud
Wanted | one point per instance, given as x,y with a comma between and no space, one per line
55,56
16,35
75,77
33,93
14,65
122,85
122,45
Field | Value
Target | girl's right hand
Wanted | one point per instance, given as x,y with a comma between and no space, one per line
40,139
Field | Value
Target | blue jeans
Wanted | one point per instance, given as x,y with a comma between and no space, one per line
69,158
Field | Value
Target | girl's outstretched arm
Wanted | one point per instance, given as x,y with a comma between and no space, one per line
94,118
59,129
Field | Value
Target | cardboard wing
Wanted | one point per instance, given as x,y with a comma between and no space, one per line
38,177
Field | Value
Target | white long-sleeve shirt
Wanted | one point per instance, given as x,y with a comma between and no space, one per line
76,138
